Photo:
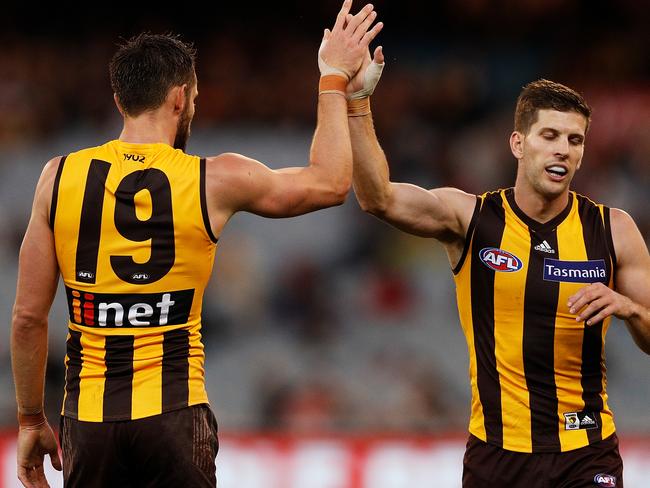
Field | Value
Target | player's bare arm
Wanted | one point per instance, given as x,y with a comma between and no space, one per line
443,213
235,182
37,279
631,300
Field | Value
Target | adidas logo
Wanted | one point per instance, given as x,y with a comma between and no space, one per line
544,247
587,420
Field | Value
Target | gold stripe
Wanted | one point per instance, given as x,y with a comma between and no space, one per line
91,378
509,294
464,297
147,376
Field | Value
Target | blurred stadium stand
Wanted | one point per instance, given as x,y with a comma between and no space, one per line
335,322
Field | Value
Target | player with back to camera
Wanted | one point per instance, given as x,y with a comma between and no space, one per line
132,226
539,272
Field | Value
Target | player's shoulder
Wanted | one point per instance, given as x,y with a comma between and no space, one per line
230,168
621,221
228,160
51,168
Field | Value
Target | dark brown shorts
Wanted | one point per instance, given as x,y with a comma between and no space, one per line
173,449
593,466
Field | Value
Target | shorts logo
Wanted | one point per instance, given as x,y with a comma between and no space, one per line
500,260
575,271
580,420
129,310
605,480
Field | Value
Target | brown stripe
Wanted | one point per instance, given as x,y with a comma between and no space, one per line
595,239
610,240
540,309
119,377
468,236
55,192
175,369
204,202
489,231
91,221
73,369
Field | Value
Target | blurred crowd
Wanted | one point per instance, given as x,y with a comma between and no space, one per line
350,325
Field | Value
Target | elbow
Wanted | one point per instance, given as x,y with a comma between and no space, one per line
338,191
374,206
25,320
341,192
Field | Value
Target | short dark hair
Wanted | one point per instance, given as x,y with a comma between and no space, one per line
546,94
146,67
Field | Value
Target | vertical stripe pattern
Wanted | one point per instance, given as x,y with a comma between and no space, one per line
204,202
119,377
592,345
533,368
55,192
488,234
73,369
91,221
175,369
538,347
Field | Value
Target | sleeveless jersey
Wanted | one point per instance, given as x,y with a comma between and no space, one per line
537,376
135,249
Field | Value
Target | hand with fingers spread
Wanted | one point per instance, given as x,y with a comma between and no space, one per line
35,440
343,49
596,302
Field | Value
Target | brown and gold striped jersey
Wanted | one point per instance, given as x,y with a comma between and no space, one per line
537,376
135,249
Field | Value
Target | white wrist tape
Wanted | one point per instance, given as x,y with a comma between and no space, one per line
370,80
326,69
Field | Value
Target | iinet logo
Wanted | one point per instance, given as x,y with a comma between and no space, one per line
129,310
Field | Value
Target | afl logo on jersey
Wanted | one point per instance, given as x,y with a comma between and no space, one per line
140,276
500,260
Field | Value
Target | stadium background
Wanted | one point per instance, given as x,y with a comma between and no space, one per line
332,334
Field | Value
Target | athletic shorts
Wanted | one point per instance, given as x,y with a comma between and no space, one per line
174,449
592,466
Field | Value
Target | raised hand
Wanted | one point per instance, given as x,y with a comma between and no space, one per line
365,80
344,48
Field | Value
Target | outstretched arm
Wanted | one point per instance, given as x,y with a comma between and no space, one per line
631,300
442,213
37,278
238,183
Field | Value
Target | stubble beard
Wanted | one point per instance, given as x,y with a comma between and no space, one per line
182,132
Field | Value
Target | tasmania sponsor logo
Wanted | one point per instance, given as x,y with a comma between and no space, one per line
500,260
575,271
605,480
129,310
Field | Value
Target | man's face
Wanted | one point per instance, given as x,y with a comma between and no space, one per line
552,151
185,120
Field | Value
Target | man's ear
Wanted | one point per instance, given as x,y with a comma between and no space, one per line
517,144
117,103
178,95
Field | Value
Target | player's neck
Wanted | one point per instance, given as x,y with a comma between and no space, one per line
539,207
149,128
